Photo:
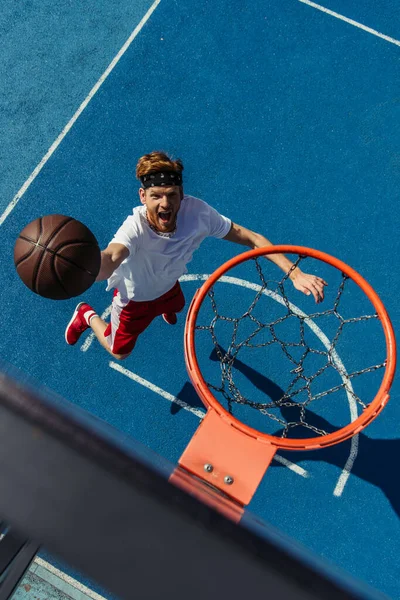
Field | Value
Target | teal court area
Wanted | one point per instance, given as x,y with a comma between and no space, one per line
45,582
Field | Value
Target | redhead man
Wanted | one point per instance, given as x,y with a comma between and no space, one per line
150,251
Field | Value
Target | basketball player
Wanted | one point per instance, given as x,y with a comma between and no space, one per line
150,252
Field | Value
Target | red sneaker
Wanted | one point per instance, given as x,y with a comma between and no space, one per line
78,323
170,318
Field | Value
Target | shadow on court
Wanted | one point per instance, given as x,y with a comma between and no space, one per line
376,460
188,395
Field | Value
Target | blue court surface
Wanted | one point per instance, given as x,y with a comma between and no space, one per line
287,119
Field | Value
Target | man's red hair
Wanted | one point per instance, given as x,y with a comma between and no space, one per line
155,162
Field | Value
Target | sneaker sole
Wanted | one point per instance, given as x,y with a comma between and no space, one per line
70,323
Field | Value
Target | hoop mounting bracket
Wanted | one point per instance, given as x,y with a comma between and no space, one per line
226,458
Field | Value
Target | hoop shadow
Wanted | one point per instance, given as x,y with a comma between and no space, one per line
376,461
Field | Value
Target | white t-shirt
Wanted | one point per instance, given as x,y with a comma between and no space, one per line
155,262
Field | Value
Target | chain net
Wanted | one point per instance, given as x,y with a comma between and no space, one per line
297,406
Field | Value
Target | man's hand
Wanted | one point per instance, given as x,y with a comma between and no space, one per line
309,284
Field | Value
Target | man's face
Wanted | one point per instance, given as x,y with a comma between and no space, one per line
162,204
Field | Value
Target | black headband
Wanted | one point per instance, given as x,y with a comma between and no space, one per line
161,178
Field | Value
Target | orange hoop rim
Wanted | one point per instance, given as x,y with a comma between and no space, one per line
211,403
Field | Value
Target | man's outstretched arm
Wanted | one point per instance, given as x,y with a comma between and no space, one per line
308,284
111,258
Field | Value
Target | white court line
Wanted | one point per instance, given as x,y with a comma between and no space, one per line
351,22
345,474
87,343
84,104
292,466
79,586
195,411
22,191
154,388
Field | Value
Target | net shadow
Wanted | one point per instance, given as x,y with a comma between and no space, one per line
376,462
275,394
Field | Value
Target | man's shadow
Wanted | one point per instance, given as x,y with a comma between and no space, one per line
376,460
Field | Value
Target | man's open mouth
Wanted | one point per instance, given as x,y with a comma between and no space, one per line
165,216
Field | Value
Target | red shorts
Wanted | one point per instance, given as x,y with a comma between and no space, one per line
129,320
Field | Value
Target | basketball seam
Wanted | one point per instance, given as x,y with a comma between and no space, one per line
40,261
72,243
40,229
71,262
60,247
28,255
53,268
33,242
36,269
64,245
56,231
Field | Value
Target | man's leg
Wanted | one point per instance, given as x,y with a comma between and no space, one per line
98,327
128,320
82,319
